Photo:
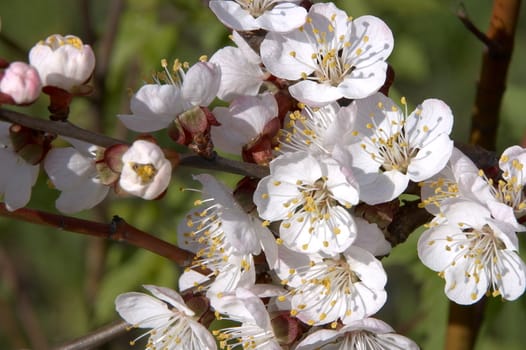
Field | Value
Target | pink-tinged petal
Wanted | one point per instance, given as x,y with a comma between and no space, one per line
22,82
201,83
283,17
239,76
315,94
429,120
232,15
142,310
383,187
430,159
287,56
363,82
87,195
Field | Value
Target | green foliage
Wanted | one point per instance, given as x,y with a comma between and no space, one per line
434,56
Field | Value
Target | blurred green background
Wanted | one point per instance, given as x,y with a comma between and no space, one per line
56,286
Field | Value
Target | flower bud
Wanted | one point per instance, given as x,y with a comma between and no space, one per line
145,170
20,83
63,62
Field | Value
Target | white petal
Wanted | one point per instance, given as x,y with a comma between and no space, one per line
87,195
170,296
145,123
239,76
433,115
430,159
384,186
461,289
315,94
67,168
190,279
203,335
276,54
283,17
513,282
435,248
363,82
370,238
201,83
232,15
142,310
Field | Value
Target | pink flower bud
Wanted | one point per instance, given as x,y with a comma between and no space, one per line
63,62
21,82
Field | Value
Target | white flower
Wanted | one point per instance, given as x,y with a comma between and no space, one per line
335,56
224,238
145,172
390,148
271,15
243,121
311,196
460,178
346,287
241,70
73,171
366,334
21,82
63,62
172,322
17,176
508,201
155,106
316,129
255,330
475,253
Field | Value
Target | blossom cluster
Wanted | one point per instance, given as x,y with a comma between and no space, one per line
287,258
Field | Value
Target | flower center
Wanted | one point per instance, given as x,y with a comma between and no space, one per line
56,41
145,172
256,7
389,144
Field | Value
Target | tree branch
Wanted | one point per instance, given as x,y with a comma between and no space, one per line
65,128
495,62
96,338
465,321
118,230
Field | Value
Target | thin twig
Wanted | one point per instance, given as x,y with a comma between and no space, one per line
70,130
118,230
470,26
97,338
